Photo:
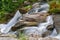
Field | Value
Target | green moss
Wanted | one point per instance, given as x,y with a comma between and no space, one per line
22,37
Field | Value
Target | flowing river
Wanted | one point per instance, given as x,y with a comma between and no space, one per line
40,29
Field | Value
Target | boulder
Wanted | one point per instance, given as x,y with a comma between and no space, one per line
31,20
41,38
57,22
39,16
48,38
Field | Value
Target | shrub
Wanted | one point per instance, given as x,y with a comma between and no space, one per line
8,6
54,6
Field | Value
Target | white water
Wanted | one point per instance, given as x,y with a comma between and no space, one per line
41,28
5,28
58,36
55,35
42,8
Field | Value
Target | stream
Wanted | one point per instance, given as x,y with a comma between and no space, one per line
40,29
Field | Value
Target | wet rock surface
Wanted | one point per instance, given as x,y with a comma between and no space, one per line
47,38
40,38
57,22
31,20
34,37
8,37
57,25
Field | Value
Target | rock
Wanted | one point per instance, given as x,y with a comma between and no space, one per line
25,24
36,5
39,16
32,19
7,38
23,10
40,38
31,23
27,3
8,35
18,25
57,22
47,38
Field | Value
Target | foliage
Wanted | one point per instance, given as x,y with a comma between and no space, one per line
54,6
8,6
25,9
2,16
22,37
11,5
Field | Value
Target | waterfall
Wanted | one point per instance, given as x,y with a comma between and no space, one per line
40,29
58,36
42,8
55,35
5,28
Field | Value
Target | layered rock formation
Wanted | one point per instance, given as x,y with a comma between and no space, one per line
31,20
57,22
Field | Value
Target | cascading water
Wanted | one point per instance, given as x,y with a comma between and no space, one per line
49,21
42,8
41,28
5,28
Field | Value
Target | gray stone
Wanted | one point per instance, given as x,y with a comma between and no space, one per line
57,22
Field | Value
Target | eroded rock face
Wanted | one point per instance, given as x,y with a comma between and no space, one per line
48,38
57,22
42,29
36,5
8,37
39,16
31,20
40,38
17,26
